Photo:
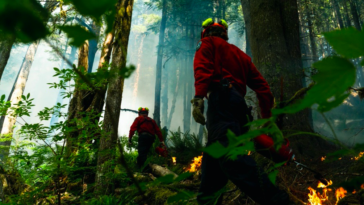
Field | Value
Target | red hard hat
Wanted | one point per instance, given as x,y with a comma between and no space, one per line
264,145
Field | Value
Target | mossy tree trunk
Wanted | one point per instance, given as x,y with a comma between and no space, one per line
76,107
277,55
106,154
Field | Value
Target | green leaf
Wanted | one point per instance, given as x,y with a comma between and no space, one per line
217,150
23,19
93,8
180,196
77,34
273,176
335,76
2,98
183,176
347,42
166,179
326,106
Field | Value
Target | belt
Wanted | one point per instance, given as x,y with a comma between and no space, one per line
145,133
215,88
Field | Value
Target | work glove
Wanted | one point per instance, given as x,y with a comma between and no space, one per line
197,111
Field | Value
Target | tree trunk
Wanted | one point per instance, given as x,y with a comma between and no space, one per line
277,54
158,85
311,32
5,49
76,106
338,14
355,15
246,11
347,18
93,47
160,171
9,121
174,100
106,154
164,95
137,72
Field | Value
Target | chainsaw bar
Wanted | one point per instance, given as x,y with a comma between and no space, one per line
317,175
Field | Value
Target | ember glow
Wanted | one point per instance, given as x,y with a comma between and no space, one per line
315,198
174,160
359,156
323,158
340,193
195,165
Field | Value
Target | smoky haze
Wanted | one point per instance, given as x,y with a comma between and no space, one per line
139,88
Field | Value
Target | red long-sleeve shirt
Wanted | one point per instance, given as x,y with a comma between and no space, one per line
215,54
145,124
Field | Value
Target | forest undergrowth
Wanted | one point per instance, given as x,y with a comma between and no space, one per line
82,160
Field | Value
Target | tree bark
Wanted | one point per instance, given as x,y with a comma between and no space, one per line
355,15
311,33
277,55
158,82
76,106
246,11
106,154
9,121
347,18
160,171
338,14
5,50
174,100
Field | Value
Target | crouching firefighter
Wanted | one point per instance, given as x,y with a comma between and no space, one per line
222,71
147,129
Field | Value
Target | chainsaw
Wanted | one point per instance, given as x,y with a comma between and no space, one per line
264,145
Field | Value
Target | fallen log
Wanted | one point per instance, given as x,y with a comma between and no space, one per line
160,171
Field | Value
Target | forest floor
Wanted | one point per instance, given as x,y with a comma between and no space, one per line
301,184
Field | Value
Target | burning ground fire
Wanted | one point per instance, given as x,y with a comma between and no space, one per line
195,165
316,198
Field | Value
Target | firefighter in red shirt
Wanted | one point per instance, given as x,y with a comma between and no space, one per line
147,129
222,71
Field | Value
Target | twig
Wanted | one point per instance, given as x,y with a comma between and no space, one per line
236,197
332,129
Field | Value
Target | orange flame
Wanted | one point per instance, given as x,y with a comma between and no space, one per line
174,160
321,185
359,156
323,158
340,193
313,198
195,165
